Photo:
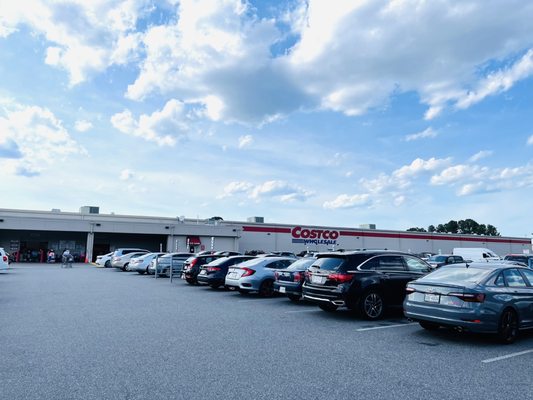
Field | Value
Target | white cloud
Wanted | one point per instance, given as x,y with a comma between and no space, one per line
245,141
126,175
426,133
530,141
348,201
163,127
480,155
233,188
419,165
83,36
32,138
459,172
83,126
274,189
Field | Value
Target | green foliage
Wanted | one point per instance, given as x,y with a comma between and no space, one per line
467,226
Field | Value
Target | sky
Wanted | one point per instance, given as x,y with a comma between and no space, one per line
399,113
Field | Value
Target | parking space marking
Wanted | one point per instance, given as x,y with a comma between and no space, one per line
520,353
299,311
256,300
385,327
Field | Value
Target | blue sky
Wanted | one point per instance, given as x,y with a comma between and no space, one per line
400,113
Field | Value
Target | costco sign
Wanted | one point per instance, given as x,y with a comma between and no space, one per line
314,236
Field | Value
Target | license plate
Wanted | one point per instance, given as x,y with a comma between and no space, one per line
318,279
232,275
282,289
432,298
203,272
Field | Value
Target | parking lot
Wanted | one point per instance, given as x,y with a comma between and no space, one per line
99,333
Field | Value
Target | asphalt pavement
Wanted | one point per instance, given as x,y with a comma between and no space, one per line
93,333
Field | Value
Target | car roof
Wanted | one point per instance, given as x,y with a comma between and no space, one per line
364,252
487,265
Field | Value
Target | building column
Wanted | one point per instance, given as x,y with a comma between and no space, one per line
90,245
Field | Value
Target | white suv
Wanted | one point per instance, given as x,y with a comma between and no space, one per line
4,260
121,257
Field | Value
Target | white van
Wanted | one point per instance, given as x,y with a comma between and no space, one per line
476,254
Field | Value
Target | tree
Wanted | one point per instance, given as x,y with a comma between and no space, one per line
467,226
416,229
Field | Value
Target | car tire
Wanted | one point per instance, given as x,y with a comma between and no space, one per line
429,326
508,326
125,267
294,298
328,307
107,264
371,305
267,288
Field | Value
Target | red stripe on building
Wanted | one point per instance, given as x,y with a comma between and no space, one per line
482,239
265,229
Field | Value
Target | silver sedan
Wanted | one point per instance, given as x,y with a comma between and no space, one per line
256,275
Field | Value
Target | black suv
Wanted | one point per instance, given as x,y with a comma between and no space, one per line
191,266
440,260
363,281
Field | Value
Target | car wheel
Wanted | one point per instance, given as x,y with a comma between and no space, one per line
328,307
125,267
508,326
371,305
429,326
267,288
107,264
294,298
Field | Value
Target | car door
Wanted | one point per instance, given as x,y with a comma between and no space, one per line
394,277
528,274
521,294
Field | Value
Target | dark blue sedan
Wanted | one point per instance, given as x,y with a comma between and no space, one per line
478,297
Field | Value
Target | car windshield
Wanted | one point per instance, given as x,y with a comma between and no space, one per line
301,264
329,263
438,258
457,275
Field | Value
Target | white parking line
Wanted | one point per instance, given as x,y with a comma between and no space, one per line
259,300
298,311
385,327
520,353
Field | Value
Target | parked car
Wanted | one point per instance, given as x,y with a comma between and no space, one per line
176,259
141,263
479,297
526,259
476,254
104,260
122,261
227,253
192,265
256,275
4,259
364,281
290,280
278,254
214,273
439,260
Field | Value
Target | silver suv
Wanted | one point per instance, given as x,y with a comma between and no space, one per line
121,257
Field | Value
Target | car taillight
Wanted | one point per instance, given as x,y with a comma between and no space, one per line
247,272
193,263
340,278
4,258
213,269
469,297
298,276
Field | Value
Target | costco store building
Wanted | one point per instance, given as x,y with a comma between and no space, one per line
88,234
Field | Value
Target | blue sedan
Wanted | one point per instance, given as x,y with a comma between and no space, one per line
477,297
